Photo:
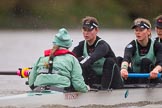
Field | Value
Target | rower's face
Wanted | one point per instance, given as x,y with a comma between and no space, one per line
90,34
159,32
142,33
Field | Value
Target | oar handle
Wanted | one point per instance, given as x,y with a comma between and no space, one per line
141,75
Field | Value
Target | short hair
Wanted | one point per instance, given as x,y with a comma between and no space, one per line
138,20
159,16
90,19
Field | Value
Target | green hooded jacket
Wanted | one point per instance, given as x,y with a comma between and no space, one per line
66,70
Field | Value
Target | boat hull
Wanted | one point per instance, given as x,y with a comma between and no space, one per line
107,98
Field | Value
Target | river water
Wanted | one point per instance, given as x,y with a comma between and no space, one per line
22,48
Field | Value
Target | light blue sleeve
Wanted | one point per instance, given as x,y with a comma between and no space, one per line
77,78
33,73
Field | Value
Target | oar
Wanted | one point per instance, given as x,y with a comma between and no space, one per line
141,75
8,73
23,72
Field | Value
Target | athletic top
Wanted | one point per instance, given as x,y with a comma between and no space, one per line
158,39
130,50
96,52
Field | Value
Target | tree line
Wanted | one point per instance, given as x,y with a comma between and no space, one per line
38,14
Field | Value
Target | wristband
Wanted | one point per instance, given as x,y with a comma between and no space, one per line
124,66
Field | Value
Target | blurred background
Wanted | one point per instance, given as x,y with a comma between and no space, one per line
51,14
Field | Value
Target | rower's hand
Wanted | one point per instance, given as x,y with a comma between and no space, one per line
154,74
124,73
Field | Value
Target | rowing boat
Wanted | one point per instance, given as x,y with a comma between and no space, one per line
76,99
121,97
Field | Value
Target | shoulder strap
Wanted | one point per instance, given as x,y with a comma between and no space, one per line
57,53
50,64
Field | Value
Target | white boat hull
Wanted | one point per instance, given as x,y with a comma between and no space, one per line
108,98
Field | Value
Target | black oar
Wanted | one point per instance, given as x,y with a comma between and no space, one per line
23,72
8,73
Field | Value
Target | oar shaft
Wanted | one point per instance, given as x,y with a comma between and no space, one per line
141,75
8,73
23,72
